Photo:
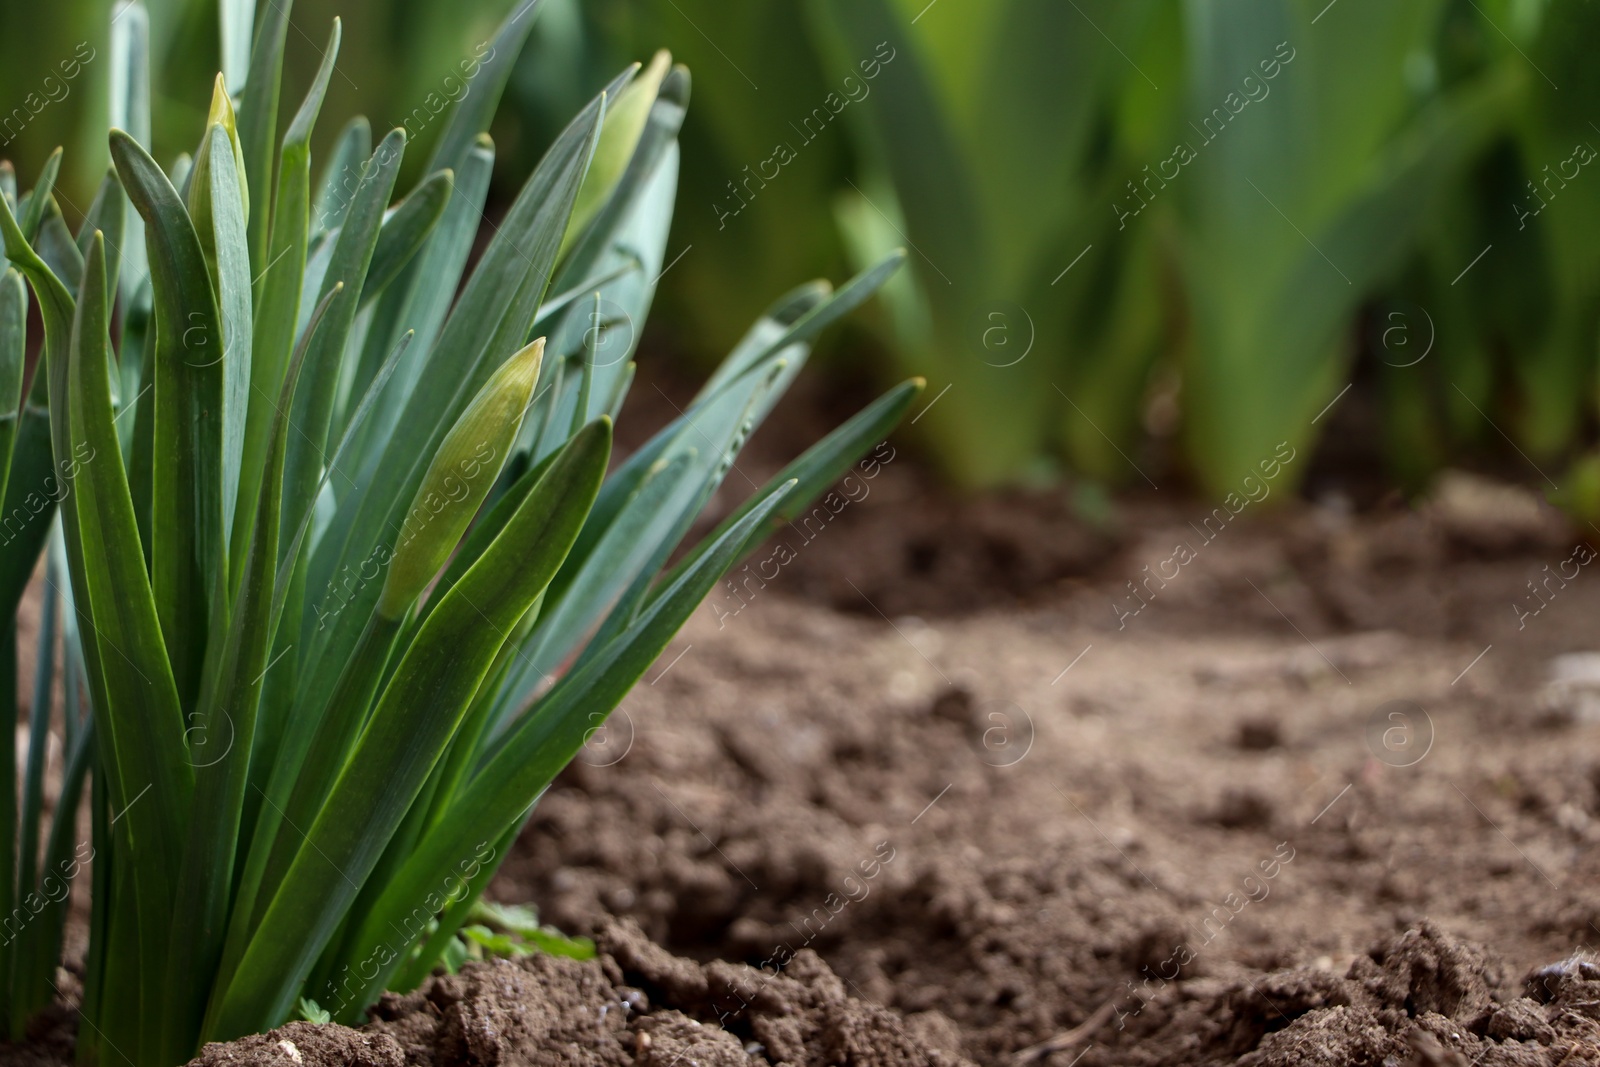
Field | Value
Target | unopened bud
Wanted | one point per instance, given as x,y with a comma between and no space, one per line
464,469
221,114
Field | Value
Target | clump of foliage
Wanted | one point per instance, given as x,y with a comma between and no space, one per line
1176,232
343,579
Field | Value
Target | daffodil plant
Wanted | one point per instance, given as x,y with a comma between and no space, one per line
343,578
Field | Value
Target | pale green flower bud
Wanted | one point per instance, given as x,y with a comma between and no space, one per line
221,114
464,469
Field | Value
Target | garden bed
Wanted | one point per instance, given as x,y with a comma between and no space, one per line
936,768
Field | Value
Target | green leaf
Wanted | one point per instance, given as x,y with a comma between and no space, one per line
223,733
913,135
627,547
474,110
120,967
463,470
1271,297
40,944
235,19
142,711
30,501
273,776
624,250
279,306
189,552
23,1003
108,214
258,121
523,922
13,354
40,198
352,255
407,227
420,297
56,246
819,467
613,553
231,261
340,176
130,111
441,944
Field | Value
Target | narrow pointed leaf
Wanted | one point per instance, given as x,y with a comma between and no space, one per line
489,322
280,280
474,111
130,111
143,698
224,735
13,354
232,265
39,197
405,231
336,187
189,544
352,254
258,121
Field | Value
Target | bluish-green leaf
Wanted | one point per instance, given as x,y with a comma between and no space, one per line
189,550
280,282
258,121
232,262
142,712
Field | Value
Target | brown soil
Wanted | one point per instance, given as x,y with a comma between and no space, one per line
906,805
1212,840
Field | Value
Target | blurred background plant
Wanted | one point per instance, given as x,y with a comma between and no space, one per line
1149,241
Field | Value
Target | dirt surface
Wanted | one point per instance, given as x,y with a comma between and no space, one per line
1199,830
1325,788
635,1006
